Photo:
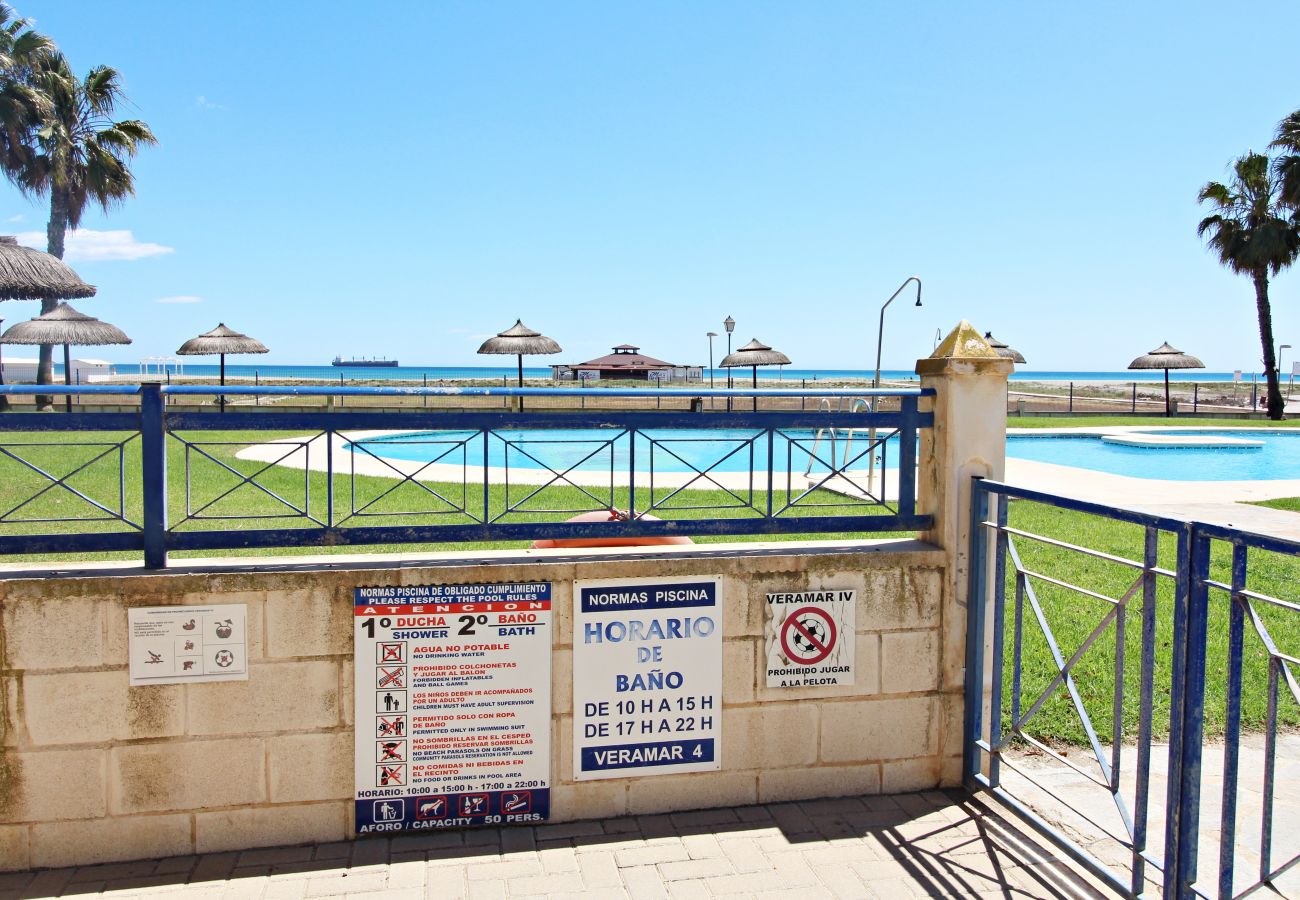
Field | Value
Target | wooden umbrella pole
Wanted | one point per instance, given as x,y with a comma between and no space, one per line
67,377
519,358
1168,412
754,384
221,400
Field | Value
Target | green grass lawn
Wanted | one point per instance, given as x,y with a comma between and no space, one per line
1072,617
216,499
214,492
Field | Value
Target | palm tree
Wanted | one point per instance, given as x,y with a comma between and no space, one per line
1287,166
21,105
1252,235
79,154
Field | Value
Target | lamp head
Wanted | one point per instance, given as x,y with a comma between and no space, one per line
729,323
711,334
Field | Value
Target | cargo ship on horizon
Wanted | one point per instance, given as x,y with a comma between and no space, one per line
379,363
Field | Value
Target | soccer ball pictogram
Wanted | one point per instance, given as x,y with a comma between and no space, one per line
816,630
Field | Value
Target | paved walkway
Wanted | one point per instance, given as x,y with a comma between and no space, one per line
934,844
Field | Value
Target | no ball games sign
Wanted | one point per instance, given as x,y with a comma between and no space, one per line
810,638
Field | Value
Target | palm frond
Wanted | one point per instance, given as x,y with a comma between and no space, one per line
1288,134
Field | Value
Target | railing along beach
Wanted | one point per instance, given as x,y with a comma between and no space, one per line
159,474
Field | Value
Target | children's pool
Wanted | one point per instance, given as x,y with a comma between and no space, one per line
740,450
1277,458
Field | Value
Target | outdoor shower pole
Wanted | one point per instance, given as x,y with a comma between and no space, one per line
880,335
875,382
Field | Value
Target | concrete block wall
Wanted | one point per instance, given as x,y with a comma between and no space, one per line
94,770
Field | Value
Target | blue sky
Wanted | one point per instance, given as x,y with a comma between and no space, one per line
403,179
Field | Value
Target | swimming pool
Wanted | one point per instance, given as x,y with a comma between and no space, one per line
744,450
1278,458
589,450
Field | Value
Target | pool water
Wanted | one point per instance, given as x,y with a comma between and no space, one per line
743,450
1279,457
589,450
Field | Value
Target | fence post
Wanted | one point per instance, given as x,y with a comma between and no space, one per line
153,475
1186,712
968,439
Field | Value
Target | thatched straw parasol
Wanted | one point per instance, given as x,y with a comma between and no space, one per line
220,341
518,340
64,325
1002,349
1166,357
27,274
754,354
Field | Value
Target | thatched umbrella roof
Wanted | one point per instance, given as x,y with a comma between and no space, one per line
1166,357
27,274
64,325
1002,349
755,353
520,340
221,340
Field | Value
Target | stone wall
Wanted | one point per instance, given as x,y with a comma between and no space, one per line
94,770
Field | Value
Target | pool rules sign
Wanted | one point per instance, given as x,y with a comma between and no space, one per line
453,705
647,677
810,638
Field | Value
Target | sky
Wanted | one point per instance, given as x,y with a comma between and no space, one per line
403,179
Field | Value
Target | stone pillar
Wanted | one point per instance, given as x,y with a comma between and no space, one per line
968,439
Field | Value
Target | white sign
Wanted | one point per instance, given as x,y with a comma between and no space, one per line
647,677
178,644
810,638
1295,369
659,375
588,375
1236,376
453,705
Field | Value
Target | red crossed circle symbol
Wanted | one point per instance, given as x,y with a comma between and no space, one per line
797,622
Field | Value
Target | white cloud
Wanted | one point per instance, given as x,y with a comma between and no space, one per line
180,298
204,103
88,245
17,218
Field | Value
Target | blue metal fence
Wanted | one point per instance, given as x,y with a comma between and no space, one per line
488,502
1007,611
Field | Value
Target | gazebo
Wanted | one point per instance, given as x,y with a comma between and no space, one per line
64,325
220,341
1166,357
27,274
755,354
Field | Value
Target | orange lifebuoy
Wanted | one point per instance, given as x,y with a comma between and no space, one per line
610,515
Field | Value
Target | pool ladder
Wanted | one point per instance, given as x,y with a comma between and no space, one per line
859,405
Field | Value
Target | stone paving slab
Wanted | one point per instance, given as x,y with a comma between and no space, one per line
932,844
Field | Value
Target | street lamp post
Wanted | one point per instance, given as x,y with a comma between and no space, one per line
729,325
711,335
1280,348
880,335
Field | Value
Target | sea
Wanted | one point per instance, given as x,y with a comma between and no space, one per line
434,374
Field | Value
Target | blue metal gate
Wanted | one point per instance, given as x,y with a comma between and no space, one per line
1189,590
